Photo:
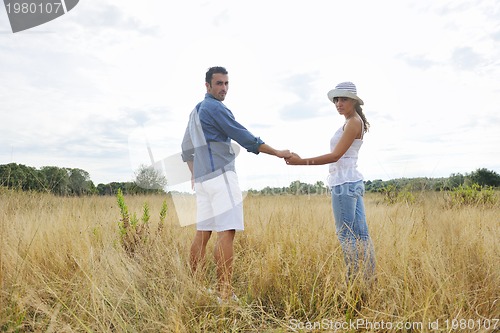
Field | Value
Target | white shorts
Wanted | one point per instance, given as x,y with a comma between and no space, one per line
219,203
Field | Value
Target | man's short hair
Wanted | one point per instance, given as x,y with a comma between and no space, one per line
214,70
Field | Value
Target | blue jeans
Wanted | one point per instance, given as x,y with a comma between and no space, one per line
352,230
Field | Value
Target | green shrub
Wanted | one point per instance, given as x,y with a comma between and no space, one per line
393,194
472,195
133,232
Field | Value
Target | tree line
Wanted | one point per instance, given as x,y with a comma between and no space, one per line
482,177
77,182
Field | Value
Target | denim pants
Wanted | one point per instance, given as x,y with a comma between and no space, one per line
352,229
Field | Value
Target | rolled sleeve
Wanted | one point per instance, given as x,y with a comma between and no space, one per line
254,148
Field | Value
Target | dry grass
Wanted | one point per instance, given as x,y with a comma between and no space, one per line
62,268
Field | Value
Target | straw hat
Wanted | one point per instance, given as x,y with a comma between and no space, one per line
344,89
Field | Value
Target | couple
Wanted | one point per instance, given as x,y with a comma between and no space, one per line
206,148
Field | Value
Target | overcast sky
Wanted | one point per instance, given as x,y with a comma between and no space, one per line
93,88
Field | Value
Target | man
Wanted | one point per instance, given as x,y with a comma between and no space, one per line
206,148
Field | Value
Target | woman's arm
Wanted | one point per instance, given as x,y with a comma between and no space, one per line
351,131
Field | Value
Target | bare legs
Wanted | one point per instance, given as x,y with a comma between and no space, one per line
198,249
223,254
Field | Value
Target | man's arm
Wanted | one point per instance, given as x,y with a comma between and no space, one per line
267,149
233,129
191,168
187,147
188,153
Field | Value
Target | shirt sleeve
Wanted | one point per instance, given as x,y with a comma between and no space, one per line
187,147
237,132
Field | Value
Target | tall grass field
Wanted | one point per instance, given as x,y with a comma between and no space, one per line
64,268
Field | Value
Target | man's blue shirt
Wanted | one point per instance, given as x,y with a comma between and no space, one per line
210,146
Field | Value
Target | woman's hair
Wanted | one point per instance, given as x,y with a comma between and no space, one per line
359,111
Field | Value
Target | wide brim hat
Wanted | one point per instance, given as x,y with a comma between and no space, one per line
345,89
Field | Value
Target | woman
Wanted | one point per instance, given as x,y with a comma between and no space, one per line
346,182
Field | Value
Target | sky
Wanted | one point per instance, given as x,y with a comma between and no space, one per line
110,85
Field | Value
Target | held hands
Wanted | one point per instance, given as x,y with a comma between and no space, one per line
290,158
283,153
294,159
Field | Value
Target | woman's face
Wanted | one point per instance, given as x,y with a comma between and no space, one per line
345,105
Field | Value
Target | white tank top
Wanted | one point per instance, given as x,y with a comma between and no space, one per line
345,170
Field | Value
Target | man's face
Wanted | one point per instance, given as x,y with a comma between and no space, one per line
219,86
